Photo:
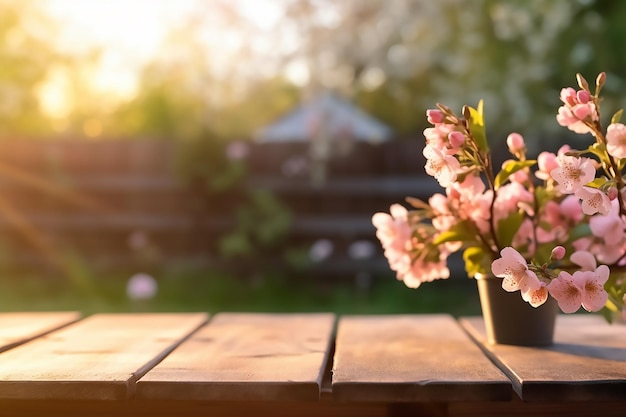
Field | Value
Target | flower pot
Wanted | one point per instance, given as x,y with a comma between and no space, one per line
512,321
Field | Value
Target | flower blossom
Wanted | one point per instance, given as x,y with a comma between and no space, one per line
546,162
395,234
583,288
616,140
594,200
572,173
584,259
608,231
437,137
434,116
515,143
393,230
526,229
536,297
513,268
558,222
443,167
567,294
577,111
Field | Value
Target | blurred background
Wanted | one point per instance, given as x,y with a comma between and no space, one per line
219,155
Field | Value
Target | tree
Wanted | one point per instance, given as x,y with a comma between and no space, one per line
26,54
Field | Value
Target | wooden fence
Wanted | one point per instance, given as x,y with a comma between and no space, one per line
102,199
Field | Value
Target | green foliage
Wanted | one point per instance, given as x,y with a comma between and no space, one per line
262,222
203,161
460,232
475,260
212,290
617,116
508,227
510,168
476,121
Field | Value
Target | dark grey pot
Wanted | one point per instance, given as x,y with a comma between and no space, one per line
510,320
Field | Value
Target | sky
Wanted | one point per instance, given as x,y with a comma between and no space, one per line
131,32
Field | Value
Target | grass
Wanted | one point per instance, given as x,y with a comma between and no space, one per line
198,289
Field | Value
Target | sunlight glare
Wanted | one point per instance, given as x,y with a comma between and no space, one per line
53,94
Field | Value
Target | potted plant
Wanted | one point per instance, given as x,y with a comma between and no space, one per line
552,228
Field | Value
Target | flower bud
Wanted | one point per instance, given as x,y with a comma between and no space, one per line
612,193
601,80
515,142
434,116
558,253
583,96
581,111
582,83
456,139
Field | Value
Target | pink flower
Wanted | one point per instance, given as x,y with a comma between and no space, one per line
554,224
512,197
571,209
584,259
434,116
546,162
557,253
577,111
609,227
584,288
394,232
565,291
616,140
443,167
456,139
393,229
437,137
591,283
513,268
443,219
594,200
419,272
537,296
572,173
515,142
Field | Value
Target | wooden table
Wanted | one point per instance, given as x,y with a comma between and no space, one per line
162,364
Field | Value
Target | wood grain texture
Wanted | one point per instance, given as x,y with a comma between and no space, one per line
20,327
97,358
416,358
248,357
586,363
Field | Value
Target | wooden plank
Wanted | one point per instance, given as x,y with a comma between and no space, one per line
417,358
99,358
245,356
20,327
586,363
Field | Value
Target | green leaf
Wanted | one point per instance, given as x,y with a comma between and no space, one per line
460,232
509,169
597,183
474,258
508,227
476,123
581,230
617,116
598,149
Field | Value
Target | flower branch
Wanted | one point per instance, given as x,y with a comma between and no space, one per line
506,223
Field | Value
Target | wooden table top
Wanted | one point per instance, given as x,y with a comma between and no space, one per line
431,361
